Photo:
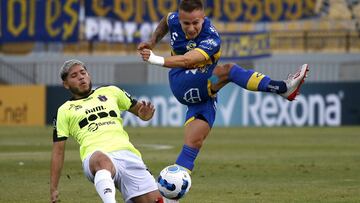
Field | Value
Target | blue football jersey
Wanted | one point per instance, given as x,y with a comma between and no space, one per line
191,87
208,42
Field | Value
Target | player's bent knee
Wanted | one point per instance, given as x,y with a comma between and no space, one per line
222,70
228,67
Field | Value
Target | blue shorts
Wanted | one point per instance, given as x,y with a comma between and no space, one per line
193,90
203,111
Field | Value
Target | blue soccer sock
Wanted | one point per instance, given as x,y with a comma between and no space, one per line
277,87
187,157
254,81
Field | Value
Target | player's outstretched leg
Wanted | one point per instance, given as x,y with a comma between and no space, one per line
245,78
255,81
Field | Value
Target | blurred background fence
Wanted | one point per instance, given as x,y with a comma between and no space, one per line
131,70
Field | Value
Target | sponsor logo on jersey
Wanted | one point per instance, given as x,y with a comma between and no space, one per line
75,107
93,115
95,109
94,126
102,98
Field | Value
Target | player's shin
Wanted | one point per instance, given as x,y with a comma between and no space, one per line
187,158
104,185
255,81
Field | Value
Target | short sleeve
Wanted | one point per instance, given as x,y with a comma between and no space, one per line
209,47
124,99
61,126
171,18
210,44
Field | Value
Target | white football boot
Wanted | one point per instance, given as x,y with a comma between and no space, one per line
294,82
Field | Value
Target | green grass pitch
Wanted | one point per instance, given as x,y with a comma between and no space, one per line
279,165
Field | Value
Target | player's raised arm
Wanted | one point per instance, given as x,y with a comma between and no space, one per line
57,161
161,30
187,61
144,110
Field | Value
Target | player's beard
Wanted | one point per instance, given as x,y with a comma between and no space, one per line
79,93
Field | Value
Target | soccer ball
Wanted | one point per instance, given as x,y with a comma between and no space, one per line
174,182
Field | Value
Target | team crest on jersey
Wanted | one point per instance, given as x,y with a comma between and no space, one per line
190,45
102,98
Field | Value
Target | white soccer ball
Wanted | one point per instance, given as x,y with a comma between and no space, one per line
174,182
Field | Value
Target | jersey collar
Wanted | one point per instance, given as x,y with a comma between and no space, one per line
91,92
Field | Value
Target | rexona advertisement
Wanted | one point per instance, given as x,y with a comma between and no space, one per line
320,104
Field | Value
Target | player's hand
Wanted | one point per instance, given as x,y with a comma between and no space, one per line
54,196
148,56
145,54
144,45
146,111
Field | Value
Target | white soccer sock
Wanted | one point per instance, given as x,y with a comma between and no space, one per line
105,186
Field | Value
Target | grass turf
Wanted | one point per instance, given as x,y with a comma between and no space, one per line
235,164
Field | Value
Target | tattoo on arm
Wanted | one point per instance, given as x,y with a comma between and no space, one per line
160,31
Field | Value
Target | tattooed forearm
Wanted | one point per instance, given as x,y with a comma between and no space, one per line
160,31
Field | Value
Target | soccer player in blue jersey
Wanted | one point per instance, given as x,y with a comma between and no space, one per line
195,77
